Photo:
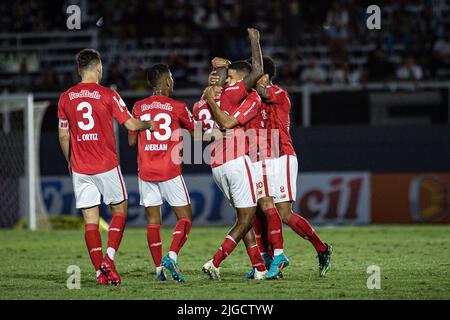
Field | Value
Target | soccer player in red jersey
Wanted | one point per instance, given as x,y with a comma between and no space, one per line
86,136
231,166
278,105
159,167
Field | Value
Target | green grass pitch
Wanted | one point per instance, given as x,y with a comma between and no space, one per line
414,263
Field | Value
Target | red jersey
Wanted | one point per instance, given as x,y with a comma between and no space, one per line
235,144
89,109
160,151
203,114
278,107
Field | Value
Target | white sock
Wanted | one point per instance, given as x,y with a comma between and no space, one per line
98,273
173,255
111,252
277,252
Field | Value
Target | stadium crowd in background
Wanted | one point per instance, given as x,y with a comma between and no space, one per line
318,39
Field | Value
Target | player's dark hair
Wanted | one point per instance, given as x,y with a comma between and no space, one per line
155,73
87,58
241,66
269,66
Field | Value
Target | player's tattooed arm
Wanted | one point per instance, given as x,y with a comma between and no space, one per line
223,119
262,89
257,60
64,142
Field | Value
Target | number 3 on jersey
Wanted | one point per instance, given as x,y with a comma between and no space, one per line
86,115
164,121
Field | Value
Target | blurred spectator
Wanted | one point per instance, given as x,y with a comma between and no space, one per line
139,81
115,77
291,22
441,54
288,72
179,67
337,26
378,66
409,70
342,74
400,29
313,73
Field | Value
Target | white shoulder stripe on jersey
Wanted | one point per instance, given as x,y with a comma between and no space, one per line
249,109
279,91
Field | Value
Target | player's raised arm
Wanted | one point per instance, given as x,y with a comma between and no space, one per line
257,60
223,119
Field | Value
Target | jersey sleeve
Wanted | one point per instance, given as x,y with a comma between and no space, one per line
119,108
136,116
248,109
276,95
186,119
63,122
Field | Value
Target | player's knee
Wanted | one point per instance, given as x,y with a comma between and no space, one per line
119,208
266,203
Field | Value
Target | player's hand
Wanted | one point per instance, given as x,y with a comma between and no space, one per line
209,93
218,62
151,125
213,78
253,33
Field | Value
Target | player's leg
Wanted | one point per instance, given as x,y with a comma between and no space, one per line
235,179
259,269
151,199
87,197
154,239
94,241
112,187
286,189
174,191
303,228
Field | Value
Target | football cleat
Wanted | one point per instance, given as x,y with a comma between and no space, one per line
325,260
267,261
171,265
211,270
161,273
260,275
278,264
102,280
109,270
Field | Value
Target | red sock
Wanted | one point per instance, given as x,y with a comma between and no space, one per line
94,244
260,230
225,249
302,227
115,233
154,242
180,234
275,228
256,258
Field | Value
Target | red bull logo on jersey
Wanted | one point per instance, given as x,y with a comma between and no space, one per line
85,94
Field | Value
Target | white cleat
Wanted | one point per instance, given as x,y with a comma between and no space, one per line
259,275
161,273
213,272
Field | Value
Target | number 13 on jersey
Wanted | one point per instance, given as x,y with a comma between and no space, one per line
164,120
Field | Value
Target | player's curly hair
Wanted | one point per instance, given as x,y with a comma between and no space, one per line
269,66
87,58
241,66
155,73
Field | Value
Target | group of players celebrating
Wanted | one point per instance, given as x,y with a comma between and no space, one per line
244,117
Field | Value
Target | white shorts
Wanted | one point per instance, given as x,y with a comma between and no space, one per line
266,173
89,188
286,182
173,191
235,179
